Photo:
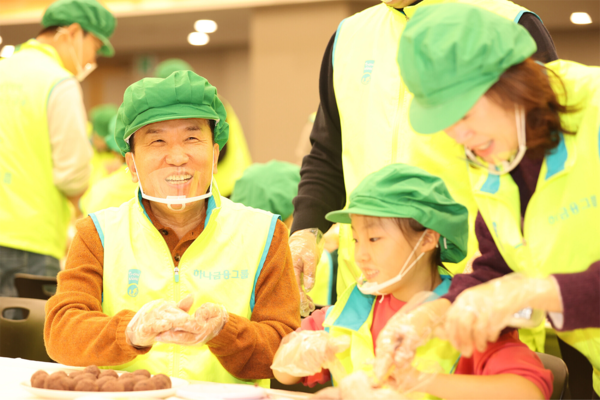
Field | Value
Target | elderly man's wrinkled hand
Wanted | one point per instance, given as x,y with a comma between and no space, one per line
306,246
154,318
206,323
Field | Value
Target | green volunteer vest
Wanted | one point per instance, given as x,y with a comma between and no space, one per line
34,214
112,191
321,292
373,106
562,221
352,316
221,266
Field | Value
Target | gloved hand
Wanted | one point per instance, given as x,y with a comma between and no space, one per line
357,386
152,319
306,247
404,332
305,353
480,313
206,323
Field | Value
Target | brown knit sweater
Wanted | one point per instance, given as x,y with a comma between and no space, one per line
78,333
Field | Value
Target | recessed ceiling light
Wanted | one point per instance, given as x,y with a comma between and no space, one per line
205,25
581,18
198,38
7,51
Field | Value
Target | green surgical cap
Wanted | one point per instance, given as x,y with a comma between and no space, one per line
100,117
110,138
171,65
404,191
270,187
182,95
451,54
89,14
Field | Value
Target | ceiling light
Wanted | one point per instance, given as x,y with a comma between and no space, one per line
581,18
7,51
0,39
198,38
205,25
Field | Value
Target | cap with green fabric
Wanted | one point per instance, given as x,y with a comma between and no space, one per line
182,95
270,187
110,138
100,117
91,15
451,54
404,191
171,65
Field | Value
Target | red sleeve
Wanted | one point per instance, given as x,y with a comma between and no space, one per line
315,323
508,356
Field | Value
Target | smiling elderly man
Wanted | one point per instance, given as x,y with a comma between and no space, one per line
134,272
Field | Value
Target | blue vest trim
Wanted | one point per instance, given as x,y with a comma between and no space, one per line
491,184
98,227
329,310
330,290
142,205
599,141
555,161
520,14
263,258
209,209
356,311
337,35
55,85
443,287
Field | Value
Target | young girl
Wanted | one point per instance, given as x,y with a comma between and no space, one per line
405,224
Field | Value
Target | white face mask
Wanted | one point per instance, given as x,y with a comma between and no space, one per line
505,166
373,288
168,197
82,72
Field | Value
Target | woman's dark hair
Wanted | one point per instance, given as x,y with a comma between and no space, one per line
528,84
211,122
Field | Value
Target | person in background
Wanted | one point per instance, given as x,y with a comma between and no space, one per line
530,133
134,272
405,225
44,151
235,156
362,125
104,160
272,187
115,189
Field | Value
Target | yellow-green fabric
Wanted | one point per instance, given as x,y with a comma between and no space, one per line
237,158
560,228
34,214
352,316
373,104
221,266
321,293
111,191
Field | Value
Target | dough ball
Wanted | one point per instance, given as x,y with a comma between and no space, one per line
108,372
128,384
56,376
38,379
58,384
76,374
86,385
146,384
143,372
92,369
68,383
87,375
126,375
161,381
103,379
112,385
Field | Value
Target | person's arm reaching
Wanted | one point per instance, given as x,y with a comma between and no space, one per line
246,348
76,331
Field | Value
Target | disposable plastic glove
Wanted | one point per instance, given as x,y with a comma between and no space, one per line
152,319
398,341
206,323
480,313
306,247
357,386
305,353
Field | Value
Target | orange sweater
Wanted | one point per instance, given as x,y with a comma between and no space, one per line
78,333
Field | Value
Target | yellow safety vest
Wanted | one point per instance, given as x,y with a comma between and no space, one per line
34,214
112,191
237,159
321,292
352,316
562,221
221,266
373,106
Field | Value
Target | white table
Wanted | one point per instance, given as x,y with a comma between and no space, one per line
13,371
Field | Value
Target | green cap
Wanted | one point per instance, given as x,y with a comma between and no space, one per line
90,14
270,187
404,191
182,95
100,117
171,65
450,55
110,138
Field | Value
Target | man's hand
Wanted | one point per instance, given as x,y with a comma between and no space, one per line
306,247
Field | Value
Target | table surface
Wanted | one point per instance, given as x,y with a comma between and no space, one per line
13,371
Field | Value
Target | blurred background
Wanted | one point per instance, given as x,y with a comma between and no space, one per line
262,55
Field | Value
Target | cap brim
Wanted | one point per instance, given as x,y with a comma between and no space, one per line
343,216
107,49
427,119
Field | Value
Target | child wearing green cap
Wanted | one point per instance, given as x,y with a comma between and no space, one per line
405,225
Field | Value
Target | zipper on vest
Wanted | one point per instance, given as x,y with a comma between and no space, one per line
176,274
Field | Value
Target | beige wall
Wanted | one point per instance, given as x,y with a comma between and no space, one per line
581,45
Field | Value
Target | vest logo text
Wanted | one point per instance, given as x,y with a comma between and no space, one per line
226,274
573,209
133,279
367,70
